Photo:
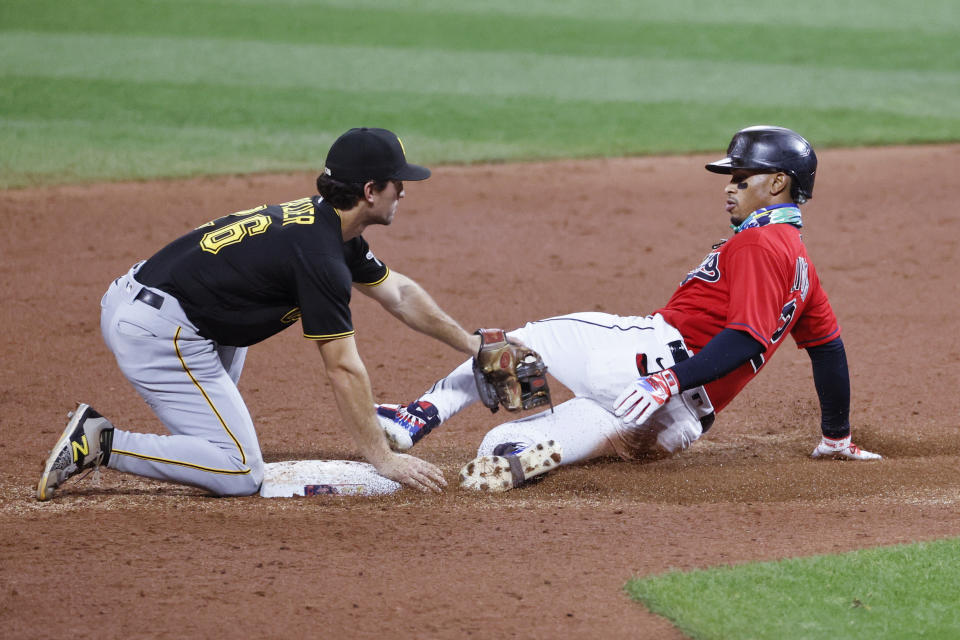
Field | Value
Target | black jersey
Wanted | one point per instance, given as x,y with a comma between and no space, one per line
246,276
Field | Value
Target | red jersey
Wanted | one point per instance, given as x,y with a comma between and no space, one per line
762,282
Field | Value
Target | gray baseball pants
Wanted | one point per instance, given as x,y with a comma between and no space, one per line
190,382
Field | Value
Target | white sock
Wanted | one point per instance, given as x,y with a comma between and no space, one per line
454,393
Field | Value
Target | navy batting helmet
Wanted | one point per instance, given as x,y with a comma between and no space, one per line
772,148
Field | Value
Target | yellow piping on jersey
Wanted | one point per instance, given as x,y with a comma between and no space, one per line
331,336
176,346
228,472
373,284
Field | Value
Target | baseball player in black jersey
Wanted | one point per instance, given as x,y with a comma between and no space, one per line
180,323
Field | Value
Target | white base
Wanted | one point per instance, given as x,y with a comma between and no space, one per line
323,477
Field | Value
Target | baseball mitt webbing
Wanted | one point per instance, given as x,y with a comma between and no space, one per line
508,374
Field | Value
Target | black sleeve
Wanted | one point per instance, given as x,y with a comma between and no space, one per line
725,352
832,380
365,268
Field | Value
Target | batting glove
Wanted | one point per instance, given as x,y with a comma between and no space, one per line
842,449
645,395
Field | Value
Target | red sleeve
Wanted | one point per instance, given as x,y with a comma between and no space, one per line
818,324
757,282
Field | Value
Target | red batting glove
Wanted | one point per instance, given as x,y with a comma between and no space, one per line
645,395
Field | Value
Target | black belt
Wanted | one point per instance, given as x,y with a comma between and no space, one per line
149,297
678,351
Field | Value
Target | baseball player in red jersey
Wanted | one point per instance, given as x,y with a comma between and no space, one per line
651,385
179,325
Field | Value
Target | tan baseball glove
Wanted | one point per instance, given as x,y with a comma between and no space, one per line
509,374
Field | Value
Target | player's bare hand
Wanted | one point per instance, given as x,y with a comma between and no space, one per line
412,472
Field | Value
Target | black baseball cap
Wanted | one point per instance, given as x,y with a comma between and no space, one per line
365,153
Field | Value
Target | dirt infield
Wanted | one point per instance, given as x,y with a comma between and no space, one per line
496,245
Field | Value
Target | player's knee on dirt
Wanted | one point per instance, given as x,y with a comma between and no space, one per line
653,440
677,439
243,484
668,431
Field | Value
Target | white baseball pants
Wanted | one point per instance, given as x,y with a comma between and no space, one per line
595,355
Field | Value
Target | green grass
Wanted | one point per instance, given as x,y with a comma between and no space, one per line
140,88
905,592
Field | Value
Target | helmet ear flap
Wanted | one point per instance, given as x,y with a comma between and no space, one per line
795,191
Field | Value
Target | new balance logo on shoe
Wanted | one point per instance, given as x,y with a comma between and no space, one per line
80,449
84,444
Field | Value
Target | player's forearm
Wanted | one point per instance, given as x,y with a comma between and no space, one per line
728,350
351,389
420,312
831,377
